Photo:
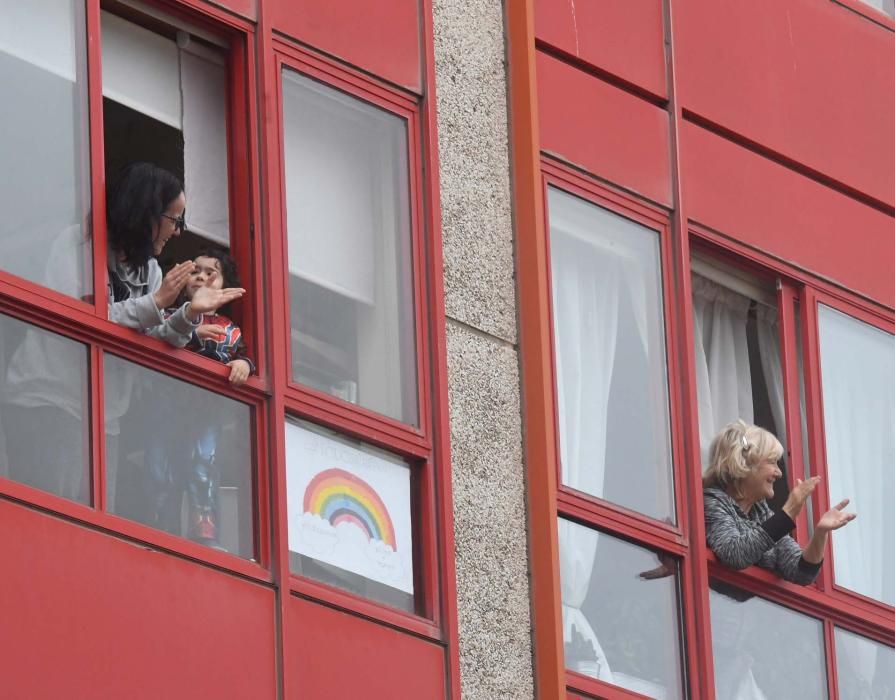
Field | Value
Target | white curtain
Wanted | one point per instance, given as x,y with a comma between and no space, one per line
723,379
858,378
586,287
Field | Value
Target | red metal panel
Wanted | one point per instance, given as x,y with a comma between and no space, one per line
337,655
810,80
622,37
604,130
776,210
380,36
88,615
246,8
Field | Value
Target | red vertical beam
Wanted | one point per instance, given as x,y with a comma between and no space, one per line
816,439
535,350
694,572
830,653
786,298
97,156
440,464
95,418
275,294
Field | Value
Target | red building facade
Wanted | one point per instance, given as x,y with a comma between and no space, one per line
698,208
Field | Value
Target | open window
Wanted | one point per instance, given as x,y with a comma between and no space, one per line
165,101
739,370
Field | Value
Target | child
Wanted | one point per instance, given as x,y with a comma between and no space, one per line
218,338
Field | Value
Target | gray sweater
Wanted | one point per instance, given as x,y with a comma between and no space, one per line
134,307
740,540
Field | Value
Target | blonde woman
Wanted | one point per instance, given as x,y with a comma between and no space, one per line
741,529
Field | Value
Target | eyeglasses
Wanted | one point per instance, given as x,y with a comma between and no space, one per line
179,221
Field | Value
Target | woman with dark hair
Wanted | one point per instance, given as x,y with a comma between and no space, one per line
145,208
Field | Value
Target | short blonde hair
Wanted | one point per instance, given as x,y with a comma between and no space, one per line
736,451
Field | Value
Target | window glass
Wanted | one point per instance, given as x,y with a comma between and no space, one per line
164,101
857,370
178,458
763,650
736,345
865,670
887,6
44,145
610,357
620,612
349,507
350,284
44,410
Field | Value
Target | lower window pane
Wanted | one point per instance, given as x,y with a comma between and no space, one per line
178,458
619,612
763,650
44,409
349,507
864,668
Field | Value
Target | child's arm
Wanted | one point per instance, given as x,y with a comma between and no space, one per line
241,366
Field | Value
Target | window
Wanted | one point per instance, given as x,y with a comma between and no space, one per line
887,6
610,352
763,650
349,253
620,617
857,368
45,235
865,669
178,458
44,410
618,542
737,355
83,431
350,514
359,462
165,101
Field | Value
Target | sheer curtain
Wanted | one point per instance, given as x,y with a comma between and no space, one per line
723,378
586,286
857,371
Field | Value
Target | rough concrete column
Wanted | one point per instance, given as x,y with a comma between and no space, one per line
486,436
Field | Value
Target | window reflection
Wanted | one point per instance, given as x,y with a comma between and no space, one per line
620,612
43,410
178,458
610,352
857,370
348,220
764,651
865,669
44,145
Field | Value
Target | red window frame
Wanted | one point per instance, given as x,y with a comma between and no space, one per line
824,600
87,322
419,445
673,540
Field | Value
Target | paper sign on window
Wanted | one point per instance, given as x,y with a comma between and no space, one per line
349,507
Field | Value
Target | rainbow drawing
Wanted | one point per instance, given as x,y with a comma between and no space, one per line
340,497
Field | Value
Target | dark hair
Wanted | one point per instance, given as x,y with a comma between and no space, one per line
228,264
228,268
135,204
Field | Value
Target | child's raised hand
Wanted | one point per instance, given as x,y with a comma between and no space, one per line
210,331
206,299
239,371
173,282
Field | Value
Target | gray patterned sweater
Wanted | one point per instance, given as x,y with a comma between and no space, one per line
761,537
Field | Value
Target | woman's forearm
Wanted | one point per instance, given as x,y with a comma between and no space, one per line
814,552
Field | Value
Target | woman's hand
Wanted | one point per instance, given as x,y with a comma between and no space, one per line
834,518
799,495
173,282
210,331
239,371
206,300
